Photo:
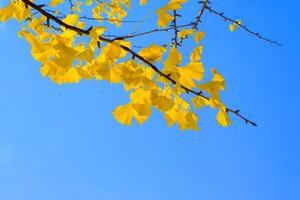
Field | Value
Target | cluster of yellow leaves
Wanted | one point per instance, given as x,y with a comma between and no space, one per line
175,108
58,53
67,59
164,17
114,11
15,9
167,99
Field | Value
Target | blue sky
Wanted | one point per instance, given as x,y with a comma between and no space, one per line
62,142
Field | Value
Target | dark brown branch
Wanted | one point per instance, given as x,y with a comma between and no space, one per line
55,19
52,27
256,34
71,6
237,113
106,19
149,32
125,48
175,39
198,19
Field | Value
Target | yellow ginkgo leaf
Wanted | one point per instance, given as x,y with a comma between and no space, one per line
185,32
189,73
127,3
48,68
124,114
71,19
173,5
16,10
222,117
164,18
142,112
84,73
71,76
88,2
233,26
86,55
162,103
112,50
214,87
185,119
173,59
199,36
196,54
140,96
39,50
152,53
183,104
6,12
200,102
60,75
143,2
95,33
55,2
171,65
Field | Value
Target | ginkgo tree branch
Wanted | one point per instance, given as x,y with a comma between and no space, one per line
256,34
110,20
71,6
175,39
237,113
198,18
80,31
155,30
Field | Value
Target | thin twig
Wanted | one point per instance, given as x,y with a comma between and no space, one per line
71,6
256,34
198,18
106,19
149,32
62,16
175,39
197,21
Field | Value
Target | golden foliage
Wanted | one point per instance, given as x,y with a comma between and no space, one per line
68,56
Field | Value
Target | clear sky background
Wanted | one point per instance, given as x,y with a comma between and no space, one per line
62,142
